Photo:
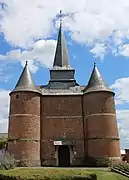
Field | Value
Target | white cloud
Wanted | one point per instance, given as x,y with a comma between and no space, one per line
4,108
23,21
121,89
91,21
101,22
30,20
124,50
99,50
42,53
123,123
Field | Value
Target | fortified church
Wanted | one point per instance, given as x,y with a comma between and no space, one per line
61,123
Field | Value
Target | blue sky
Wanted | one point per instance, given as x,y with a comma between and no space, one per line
95,31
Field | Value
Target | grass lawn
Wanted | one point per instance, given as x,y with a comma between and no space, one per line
55,173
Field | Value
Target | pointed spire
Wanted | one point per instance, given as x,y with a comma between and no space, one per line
96,82
25,82
61,56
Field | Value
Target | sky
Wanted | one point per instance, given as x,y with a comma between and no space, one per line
95,30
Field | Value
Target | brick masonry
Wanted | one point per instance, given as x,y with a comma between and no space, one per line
100,124
87,121
63,119
24,128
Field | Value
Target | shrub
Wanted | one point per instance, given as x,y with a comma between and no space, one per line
87,177
103,162
7,161
90,161
3,143
97,161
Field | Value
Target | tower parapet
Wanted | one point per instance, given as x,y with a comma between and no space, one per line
24,121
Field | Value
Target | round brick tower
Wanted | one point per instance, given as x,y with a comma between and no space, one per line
24,121
100,125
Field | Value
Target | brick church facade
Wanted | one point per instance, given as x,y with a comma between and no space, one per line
62,123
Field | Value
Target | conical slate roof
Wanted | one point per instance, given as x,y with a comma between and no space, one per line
61,56
25,82
96,82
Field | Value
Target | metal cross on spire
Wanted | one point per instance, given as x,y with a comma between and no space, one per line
61,56
61,15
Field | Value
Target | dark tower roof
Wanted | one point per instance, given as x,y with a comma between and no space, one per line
96,82
25,82
61,56
61,75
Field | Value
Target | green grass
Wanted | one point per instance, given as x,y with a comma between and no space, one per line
56,173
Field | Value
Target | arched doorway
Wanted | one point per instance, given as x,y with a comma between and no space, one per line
64,156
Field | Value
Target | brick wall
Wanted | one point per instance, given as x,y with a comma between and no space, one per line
35,123
101,125
61,117
24,127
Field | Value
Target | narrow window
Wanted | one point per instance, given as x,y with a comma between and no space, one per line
17,96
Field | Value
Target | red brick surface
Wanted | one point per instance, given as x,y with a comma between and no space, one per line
26,103
24,127
103,147
61,106
102,125
100,122
25,150
55,117
64,118
99,102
